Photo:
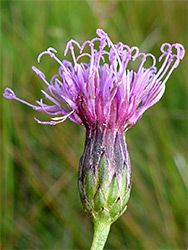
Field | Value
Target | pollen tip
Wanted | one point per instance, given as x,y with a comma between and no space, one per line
38,72
9,93
181,50
39,57
101,33
34,68
50,49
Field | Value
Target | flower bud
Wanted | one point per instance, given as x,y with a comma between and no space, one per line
105,174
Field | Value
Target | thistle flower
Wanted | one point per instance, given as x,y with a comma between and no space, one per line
106,98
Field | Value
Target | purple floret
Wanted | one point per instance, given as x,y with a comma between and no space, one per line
104,91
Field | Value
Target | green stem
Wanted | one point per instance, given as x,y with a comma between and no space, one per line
101,232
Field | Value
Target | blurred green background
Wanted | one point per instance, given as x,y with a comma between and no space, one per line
40,204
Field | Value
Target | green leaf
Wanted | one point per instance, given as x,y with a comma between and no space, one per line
103,175
89,186
116,208
126,198
87,206
124,209
113,192
99,200
123,184
103,216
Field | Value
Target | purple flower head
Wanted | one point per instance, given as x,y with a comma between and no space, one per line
104,91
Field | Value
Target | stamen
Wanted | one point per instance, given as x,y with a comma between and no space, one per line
173,67
128,55
180,50
136,52
9,94
144,60
92,59
84,54
53,78
164,53
52,89
103,35
69,44
113,90
51,99
45,123
128,83
63,117
91,45
50,51
88,42
45,108
57,119
169,58
99,54
57,81
40,74
166,68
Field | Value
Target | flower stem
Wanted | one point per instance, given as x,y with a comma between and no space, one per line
101,231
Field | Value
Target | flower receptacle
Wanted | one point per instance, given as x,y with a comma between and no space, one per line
105,175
